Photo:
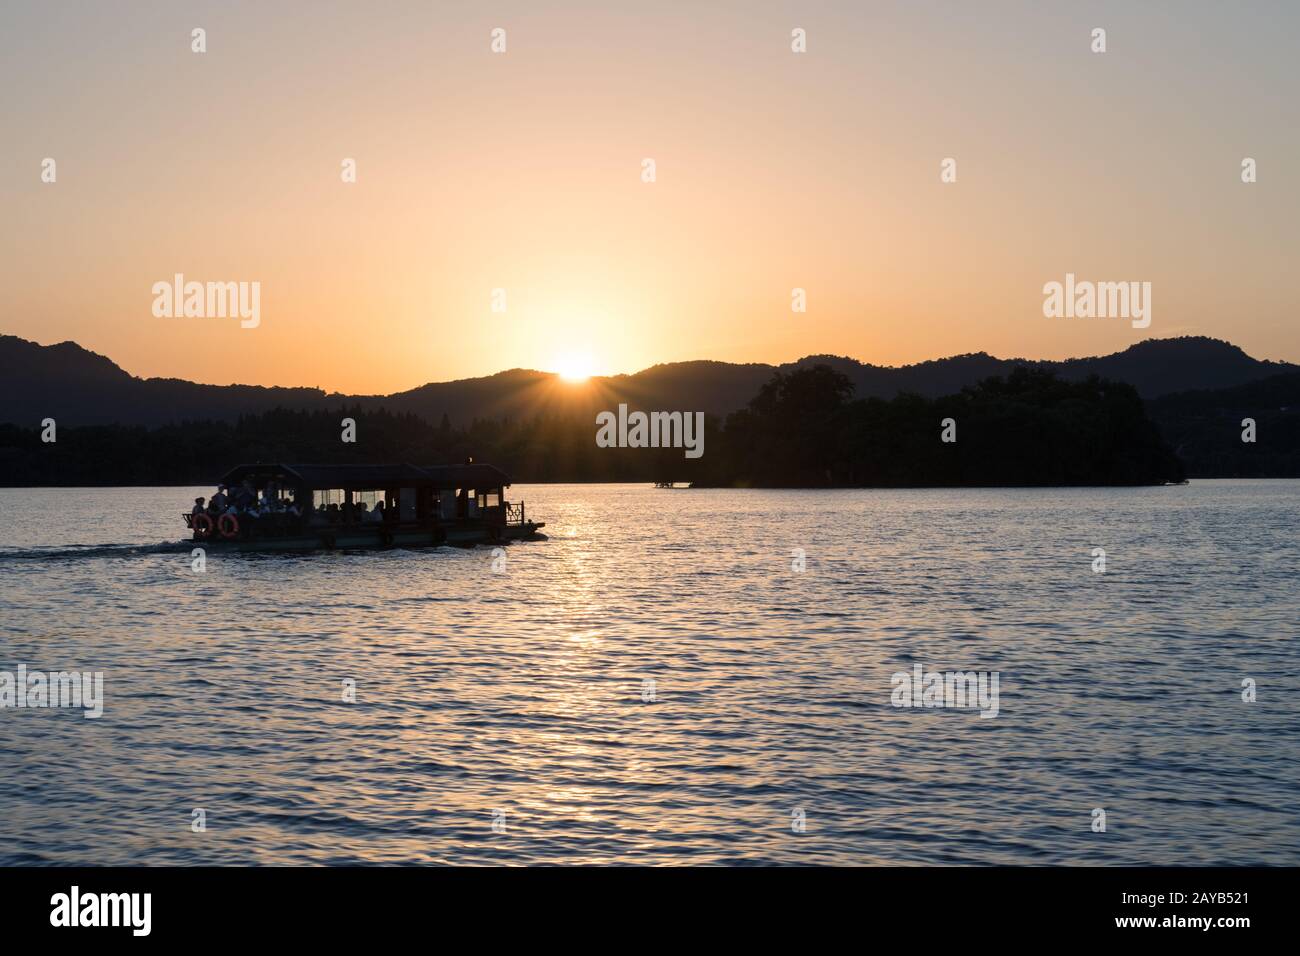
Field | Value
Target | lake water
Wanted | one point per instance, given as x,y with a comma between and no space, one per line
521,697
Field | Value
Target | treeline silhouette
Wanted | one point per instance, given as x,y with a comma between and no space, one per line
1205,428
803,429
543,449
1029,428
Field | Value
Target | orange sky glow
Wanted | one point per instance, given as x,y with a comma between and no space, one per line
522,172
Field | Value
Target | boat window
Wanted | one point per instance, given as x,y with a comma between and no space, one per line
369,497
491,500
331,496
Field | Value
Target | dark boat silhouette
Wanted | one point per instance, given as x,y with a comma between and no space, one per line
421,506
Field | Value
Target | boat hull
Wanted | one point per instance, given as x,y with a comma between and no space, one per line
363,537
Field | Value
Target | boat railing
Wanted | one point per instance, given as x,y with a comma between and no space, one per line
515,513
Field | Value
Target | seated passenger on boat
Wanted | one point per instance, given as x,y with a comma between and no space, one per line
319,505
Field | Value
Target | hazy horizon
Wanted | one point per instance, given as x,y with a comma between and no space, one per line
631,372
522,171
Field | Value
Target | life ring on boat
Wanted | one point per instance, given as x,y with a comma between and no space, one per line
202,525
228,525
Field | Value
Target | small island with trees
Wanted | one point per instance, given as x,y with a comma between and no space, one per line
805,430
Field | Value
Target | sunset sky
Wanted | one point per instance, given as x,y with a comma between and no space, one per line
522,171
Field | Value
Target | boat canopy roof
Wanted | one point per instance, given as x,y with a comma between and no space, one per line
365,477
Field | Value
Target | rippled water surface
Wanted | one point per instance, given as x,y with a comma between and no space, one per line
521,692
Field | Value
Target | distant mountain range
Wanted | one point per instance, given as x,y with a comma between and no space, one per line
78,387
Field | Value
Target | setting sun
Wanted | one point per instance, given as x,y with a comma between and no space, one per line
574,366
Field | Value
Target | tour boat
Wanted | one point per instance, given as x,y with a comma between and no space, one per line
364,506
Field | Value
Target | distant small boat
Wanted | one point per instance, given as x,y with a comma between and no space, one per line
672,485
326,506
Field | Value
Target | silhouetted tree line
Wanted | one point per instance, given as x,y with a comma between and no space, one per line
1030,428
1205,428
803,429
542,449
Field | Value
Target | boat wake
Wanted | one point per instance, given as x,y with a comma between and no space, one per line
74,552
